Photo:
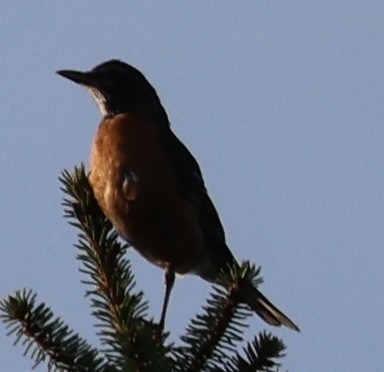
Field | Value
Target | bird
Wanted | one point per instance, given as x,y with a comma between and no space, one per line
151,187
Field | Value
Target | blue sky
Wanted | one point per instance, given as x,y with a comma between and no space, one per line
281,103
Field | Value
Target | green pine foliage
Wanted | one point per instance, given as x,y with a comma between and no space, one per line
46,338
131,341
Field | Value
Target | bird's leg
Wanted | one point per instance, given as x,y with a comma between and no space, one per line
169,281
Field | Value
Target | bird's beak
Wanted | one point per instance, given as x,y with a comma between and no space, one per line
83,78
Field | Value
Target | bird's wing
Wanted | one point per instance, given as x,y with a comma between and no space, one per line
192,187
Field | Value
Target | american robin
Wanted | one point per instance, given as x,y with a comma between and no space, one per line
151,187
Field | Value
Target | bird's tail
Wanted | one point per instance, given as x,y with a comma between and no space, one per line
265,309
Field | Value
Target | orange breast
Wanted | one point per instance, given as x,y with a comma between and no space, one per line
152,214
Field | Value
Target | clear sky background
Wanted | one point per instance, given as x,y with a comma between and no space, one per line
281,102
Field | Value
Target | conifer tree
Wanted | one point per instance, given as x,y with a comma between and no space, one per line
131,341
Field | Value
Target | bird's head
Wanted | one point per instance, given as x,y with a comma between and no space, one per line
118,88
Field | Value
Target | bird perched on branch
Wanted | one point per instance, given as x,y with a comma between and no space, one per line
151,187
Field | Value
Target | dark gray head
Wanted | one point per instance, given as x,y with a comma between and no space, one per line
117,88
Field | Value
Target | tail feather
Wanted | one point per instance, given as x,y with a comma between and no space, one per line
266,310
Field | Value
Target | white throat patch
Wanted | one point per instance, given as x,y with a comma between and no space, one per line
99,99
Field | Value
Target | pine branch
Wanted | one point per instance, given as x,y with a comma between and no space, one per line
132,343
260,354
212,336
46,338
